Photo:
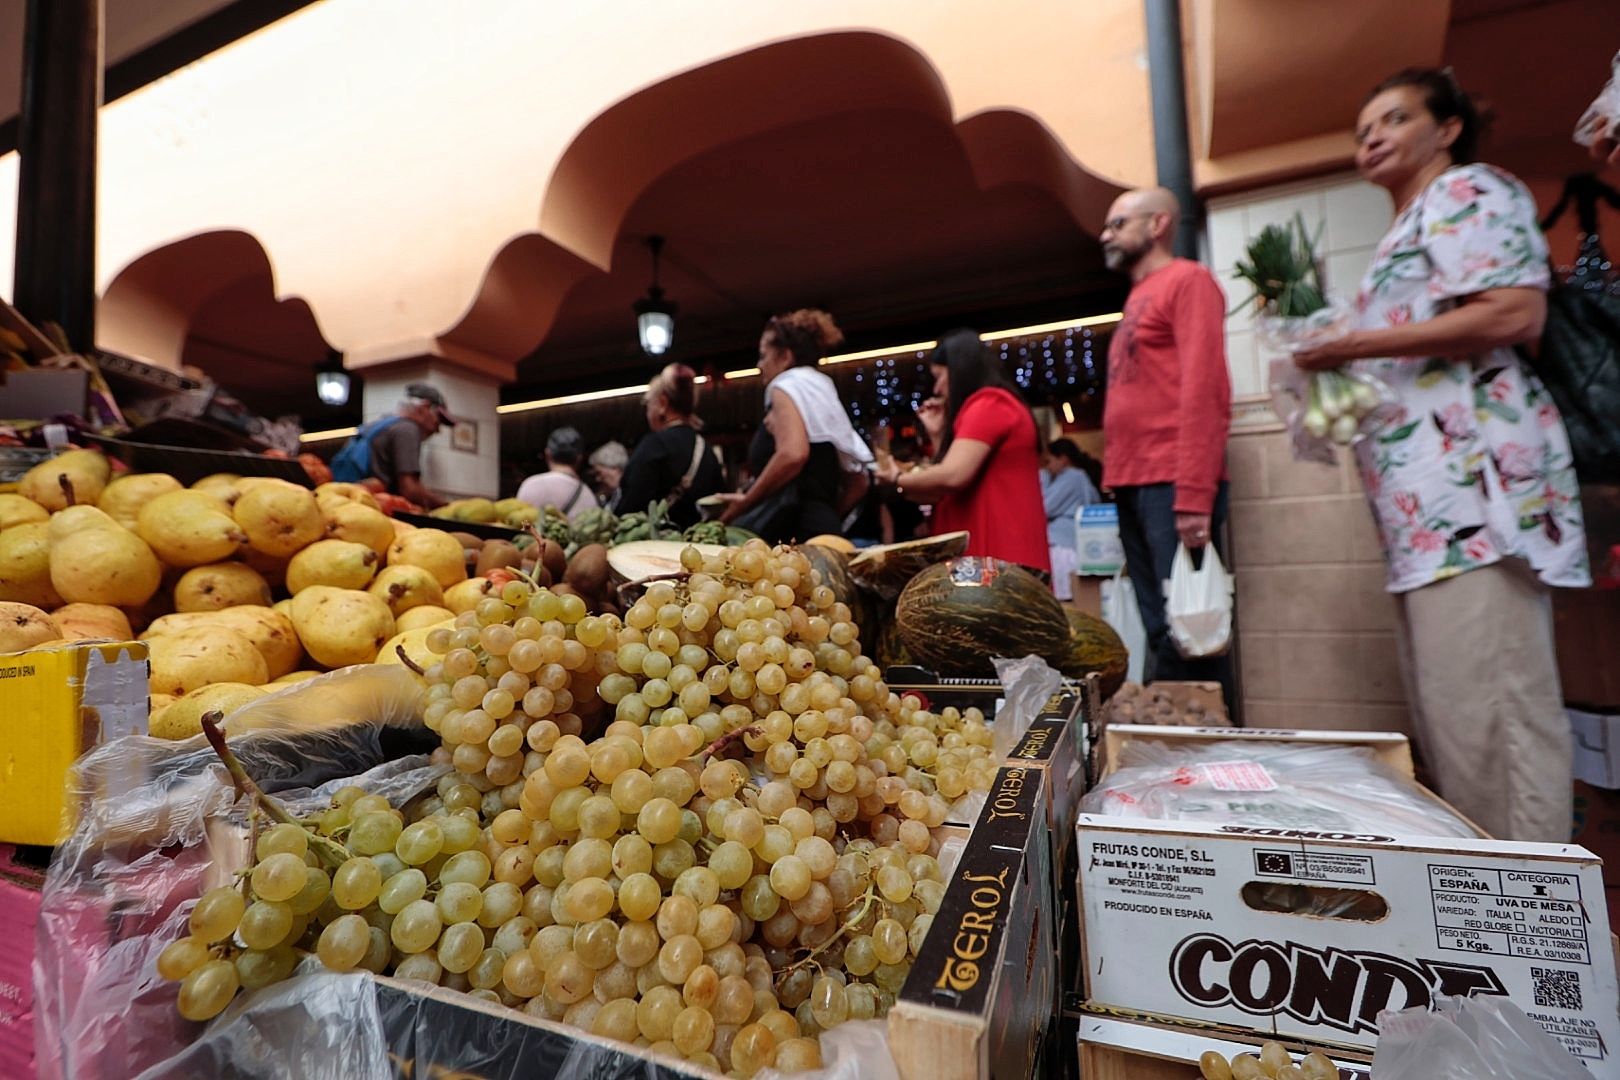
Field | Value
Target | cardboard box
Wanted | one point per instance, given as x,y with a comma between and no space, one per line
1088,593
981,997
1210,925
1113,1049
1597,747
20,883
60,702
1097,546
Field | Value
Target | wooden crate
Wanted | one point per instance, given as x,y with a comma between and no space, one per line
981,998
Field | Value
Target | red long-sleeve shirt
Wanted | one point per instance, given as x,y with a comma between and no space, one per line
1169,396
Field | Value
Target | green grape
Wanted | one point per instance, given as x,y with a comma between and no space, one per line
596,943
502,902
460,946
256,970
639,897
206,991
471,867
732,863
344,943
265,924
790,877
759,898
283,838
895,884
402,889
356,883
416,927
421,967
373,833
889,941
317,887
180,958
217,913
459,902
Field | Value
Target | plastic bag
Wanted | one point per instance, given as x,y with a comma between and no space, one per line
854,1050
1119,610
1026,686
1602,118
1198,604
1322,410
157,826
1325,787
1472,1038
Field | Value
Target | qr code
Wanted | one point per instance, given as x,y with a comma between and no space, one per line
1557,989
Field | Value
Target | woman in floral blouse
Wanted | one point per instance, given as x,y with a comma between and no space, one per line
1471,484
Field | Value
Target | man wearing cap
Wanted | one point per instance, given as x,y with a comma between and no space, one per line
395,444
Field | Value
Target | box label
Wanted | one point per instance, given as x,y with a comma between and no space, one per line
1237,776
1509,913
1341,868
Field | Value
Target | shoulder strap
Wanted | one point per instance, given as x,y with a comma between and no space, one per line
684,484
578,491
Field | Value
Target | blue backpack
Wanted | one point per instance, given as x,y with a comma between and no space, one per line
352,464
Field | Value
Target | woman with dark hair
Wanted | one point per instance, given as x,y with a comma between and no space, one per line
810,468
985,478
1065,488
674,462
560,485
1472,485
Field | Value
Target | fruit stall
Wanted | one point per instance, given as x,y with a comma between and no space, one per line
305,782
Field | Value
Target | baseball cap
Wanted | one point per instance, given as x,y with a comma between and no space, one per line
431,395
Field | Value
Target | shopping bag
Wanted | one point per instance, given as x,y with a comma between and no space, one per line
1198,604
1119,610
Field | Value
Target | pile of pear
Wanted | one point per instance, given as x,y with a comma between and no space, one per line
238,585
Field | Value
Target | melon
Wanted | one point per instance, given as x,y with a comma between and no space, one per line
1093,646
955,617
639,560
886,568
833,566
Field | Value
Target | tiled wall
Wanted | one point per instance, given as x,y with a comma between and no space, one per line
1316,646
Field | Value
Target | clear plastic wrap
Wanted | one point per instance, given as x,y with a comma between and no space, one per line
1026,685
157,822
1472,1038
1324,787
1322,409
1602,118
854,1050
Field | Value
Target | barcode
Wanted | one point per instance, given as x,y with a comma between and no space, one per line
1556,989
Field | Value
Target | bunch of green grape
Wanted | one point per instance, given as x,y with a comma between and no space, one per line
1274,1062
742,858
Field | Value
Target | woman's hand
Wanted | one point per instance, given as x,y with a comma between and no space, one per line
733,509
1327,355
887,473
931,414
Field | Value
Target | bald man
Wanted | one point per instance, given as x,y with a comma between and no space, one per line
1166,415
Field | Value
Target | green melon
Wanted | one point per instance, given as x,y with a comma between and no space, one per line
955,617
1093,646
886,568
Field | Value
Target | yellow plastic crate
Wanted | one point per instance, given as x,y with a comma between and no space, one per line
55,704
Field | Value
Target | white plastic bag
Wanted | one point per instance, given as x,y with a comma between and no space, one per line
1602,118
1119,610
1475,1038
1198,604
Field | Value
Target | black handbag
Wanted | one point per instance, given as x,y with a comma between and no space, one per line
1579,356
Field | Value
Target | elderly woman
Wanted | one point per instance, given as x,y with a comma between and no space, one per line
1471,485
560,485
606,465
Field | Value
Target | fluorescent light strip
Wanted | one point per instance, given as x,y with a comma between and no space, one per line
327,436
826,361
1068,412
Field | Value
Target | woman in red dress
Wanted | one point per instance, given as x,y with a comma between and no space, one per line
985,478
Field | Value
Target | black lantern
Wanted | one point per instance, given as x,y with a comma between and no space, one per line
655,316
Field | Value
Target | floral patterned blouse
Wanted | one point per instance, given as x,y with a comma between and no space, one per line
1475,465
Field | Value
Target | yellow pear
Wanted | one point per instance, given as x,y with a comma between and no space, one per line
124,497
404,587
427,615
273,568
17,510
79,621
270,631
360,524
25,565
220,585
64,523
338,563
23,626
434,550
283,608
188,659
279,518
156,703
73,476
187,528
220,485
183,718
464,595
109,565
293,677
341,626
414,644
356,493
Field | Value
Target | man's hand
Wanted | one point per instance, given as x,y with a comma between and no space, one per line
1193,529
